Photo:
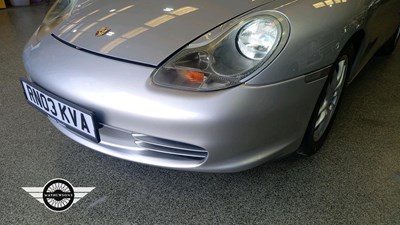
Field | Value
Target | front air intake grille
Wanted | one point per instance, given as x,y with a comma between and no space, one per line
168,147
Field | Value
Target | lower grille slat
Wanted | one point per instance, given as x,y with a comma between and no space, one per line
171,151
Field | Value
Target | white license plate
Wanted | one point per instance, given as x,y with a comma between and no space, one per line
67,113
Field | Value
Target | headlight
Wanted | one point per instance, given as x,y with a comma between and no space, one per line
237,53
60,11
257,38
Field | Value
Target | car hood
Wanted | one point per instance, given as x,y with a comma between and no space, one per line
146,31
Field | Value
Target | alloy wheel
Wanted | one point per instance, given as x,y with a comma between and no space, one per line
333,92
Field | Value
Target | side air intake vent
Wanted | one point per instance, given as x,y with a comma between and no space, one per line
170,147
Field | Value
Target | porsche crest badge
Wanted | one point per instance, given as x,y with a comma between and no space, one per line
103,31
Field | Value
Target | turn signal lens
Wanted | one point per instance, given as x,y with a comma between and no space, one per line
193,76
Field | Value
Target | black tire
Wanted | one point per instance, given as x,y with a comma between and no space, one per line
389,47
316,134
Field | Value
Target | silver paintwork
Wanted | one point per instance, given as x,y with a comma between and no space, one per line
124,99
136,24
240,127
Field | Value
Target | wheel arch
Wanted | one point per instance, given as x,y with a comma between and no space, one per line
357,40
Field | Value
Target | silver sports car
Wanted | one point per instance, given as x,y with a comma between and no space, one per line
212,85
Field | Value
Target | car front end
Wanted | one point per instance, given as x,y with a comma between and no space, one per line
215,122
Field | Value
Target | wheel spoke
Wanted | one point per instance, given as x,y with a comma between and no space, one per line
341,71
397,36
321,118
323,107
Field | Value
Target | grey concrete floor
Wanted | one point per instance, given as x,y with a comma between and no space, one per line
355,179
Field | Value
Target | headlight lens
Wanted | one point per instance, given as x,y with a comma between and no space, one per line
258,38
236,54
60,11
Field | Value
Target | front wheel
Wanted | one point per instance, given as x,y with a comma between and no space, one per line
327,104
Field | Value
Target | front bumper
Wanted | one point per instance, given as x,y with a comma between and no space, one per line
235,129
